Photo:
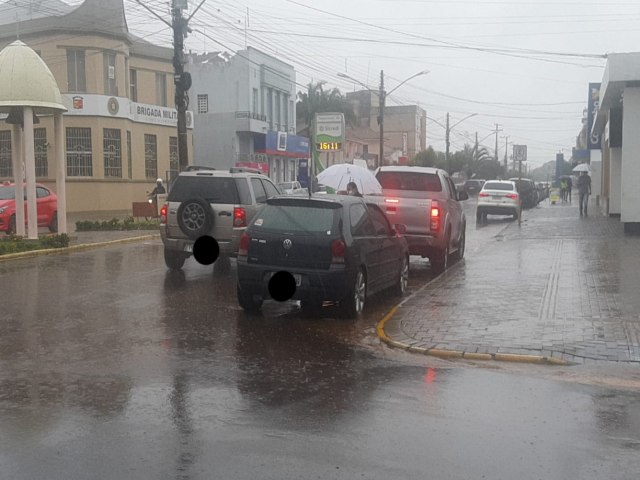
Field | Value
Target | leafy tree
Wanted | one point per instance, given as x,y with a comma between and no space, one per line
429,158
317,100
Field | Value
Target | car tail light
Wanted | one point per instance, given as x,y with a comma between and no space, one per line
163,213
239,217
243,249
483,194
512,196
338,250
434,224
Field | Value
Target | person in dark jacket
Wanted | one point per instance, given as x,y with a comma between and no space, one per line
352,189
159,190
584,190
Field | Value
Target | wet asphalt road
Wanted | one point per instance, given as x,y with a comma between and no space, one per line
111,367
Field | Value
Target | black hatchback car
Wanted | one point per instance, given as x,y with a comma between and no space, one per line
338,248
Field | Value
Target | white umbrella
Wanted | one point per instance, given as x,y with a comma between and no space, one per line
583,167
337,176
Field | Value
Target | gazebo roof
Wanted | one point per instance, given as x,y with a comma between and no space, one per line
27,81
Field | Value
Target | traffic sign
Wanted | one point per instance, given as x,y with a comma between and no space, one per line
520,153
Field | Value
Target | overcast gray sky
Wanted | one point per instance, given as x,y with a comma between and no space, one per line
524,64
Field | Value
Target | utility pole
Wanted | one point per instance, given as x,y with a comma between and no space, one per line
381,101
446,151
506,148
181,79
497,130
475,149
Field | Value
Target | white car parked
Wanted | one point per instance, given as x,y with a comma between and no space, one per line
292,188
498,197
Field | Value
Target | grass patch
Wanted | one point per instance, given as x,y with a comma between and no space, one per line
16,244
115,224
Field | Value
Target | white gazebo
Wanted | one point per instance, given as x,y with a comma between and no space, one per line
28,89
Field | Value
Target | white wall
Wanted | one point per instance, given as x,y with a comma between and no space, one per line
630,172
615,181
595,163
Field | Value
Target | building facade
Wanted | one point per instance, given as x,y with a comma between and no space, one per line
245,113
405,128
120,128
616,123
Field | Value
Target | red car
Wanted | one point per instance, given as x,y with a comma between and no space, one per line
47,207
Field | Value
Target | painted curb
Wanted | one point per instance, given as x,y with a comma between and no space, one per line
457,354
75,248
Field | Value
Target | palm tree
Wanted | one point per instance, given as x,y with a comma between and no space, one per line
317,100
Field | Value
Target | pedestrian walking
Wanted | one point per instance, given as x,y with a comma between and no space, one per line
569,188
584,190
352,189
563,190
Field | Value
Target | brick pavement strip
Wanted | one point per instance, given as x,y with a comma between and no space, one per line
559,287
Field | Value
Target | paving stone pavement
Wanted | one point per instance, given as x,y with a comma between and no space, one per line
558,286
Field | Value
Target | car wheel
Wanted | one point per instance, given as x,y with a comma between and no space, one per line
195,217
403,278
12,226
459,255
53,226
515,214
440,261
478,215
174,259
353,304
247,301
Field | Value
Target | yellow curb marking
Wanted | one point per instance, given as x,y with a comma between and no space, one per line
436,352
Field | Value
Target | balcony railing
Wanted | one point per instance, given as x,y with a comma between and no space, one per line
253,115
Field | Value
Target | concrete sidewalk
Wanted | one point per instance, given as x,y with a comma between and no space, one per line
560,288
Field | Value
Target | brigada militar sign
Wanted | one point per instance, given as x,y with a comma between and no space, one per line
330,130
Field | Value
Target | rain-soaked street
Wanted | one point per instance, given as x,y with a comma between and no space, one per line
111,367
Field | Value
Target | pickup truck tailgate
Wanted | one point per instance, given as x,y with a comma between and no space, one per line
407,207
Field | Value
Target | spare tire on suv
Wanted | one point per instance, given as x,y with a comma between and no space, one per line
195,217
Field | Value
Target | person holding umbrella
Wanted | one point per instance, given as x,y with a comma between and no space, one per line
352,189
584,190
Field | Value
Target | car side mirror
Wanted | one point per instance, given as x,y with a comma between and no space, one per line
463,196
400,228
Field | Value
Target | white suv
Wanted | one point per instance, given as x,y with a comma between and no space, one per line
206,201
498,197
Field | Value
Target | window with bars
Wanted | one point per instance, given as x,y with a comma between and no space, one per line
40,146
76,76
203,103
150,156
173,154
112,152
129,164
6,168
79,152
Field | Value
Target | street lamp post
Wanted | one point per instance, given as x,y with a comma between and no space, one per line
382,97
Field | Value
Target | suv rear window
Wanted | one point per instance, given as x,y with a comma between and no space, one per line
498,186
212,189
423,182
293,218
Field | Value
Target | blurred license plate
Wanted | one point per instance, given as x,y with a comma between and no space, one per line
188,248
497,197
296,276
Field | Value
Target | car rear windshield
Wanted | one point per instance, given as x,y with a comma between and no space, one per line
424,182
293,218
498,186
213,189
7,193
